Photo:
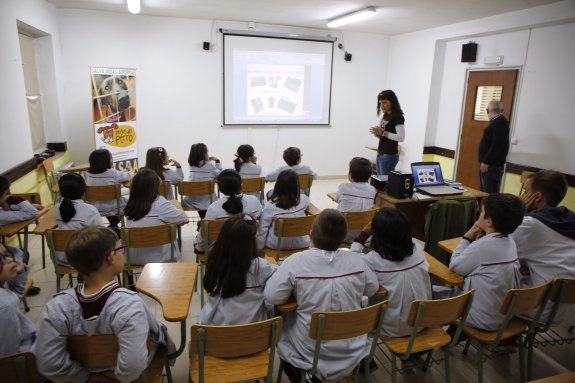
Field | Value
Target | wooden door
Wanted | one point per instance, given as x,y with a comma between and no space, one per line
482,87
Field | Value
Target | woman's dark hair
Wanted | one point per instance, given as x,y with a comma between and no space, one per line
286,191
292,155
100,161
244,153
88,248
390,96
391,234
4,185
230,184
231,257
155,158
72,186
143,193
198,155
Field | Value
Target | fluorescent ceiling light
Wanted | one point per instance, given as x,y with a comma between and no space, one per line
134,6
352,17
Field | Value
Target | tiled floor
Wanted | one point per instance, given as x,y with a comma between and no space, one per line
549,361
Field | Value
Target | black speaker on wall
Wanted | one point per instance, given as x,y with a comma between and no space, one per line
206,45
469,52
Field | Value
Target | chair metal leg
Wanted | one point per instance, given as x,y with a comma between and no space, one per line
393,368
479,363
530,357
168,371
58,280
25,303
281,366
427,361
70,281
366,370
447,367
466,348
43,252
302,376
202,283
521,359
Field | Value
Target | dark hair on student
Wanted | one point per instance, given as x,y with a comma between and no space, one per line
100,161
391,234
390,96
143,193
198,155
230,184
505,210
155,158
292,155
4,184
231,257
360,169
329,230
551,184
88,248
286,193
244,153
72,186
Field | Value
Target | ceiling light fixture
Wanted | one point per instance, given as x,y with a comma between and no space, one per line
134,6
352,17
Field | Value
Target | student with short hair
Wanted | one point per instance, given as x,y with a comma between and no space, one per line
202,168
324,278
292,157
545,238
286,201
95,307
146,207
399,264
486,258
235,276
157,159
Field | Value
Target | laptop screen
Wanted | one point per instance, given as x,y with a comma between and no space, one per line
427,174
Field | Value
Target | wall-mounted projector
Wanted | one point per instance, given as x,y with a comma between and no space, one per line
493,60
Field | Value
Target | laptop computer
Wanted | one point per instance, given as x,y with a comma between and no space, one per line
428,178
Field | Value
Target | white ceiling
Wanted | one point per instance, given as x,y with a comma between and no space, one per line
393,16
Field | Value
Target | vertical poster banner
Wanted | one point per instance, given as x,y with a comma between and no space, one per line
114,114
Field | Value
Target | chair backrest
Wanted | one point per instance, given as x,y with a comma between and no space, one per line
103,192
58,238
164,188
210,228
563,290
196,188
433,313
30,197
254,185
519,301
293,226
19,368
305,181
95,351
149,236
358,219
48,165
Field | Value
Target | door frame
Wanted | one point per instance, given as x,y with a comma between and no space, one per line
512,119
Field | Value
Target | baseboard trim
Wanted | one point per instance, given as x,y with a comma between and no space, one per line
439,151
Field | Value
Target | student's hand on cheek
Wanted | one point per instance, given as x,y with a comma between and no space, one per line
475,232
528,199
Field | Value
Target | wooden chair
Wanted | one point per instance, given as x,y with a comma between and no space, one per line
165,187
32,198
19,368
106,193
515,302
289,227
234,353
430,315
51,177
146,237
195,189
542,334
254,185
57,241
101,352
45,222
210,230
566,377
305,181
524,175
356,220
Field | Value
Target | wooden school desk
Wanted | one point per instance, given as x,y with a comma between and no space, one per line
76,169
449,244
46,222
18,227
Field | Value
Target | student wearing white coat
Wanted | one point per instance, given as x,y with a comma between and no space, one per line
157,159
292,157
202,168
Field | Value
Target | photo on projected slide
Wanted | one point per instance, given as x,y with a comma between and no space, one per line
275,90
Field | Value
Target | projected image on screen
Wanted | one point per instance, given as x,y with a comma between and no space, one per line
271,81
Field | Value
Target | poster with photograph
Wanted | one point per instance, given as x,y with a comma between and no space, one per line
114,114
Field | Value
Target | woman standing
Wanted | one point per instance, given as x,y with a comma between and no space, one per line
390,131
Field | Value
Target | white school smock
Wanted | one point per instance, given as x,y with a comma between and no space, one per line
252,207
321,281
162,211
18,212
247,307
490,266
299,169
547,254
208,171
266,236
86,215
405,281
173,177
17,332
109,177
251,170
124,314
355,196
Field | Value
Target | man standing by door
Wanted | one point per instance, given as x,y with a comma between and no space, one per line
493,148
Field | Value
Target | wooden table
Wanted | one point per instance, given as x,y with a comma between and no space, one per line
449,244
46,222
442,272
17,227
332,196
172,286
75,169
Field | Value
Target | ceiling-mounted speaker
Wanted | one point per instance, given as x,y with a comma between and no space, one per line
469,52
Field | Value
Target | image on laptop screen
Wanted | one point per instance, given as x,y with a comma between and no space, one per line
427,174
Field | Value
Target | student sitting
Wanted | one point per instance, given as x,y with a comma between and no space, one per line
285,201
487,259
202,168
17,332
157,159
147,208
97,306
235,276
292,157
399,264
358,195
232,202
546,238
245,164
102,172
325,278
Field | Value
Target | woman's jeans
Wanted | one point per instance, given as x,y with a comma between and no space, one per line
385,163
